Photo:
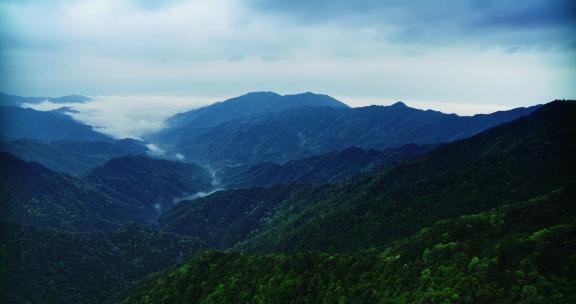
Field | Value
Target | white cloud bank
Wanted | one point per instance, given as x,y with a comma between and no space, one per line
127,116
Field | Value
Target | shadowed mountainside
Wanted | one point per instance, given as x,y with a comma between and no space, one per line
19,123
297,132
152,183
72,157
324,168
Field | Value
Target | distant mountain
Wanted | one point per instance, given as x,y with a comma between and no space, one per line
13,100
18,123
34,195
72,157
245,106
324,168
302,132
150,183
516,161
54,266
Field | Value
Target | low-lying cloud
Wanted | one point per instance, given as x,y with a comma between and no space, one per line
127,116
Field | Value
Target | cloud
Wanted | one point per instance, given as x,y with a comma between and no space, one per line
474,51
127,116
547,24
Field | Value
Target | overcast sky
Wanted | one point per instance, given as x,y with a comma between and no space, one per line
482,53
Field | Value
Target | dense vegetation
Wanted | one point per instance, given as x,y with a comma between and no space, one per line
227,217
486,219
319,169
130,188
151,183
53,266
520,253
34,195
516,161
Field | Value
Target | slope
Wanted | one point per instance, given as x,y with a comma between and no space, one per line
72,157
248,105
518,253
52,266
32,194
512,162
324,168
302,132
150,183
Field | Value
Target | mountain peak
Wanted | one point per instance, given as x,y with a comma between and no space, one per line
260,93
399,104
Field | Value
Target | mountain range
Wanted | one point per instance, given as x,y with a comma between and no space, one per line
125,189
316,125
396,201
16,101
73,157
265,198
483,219
319,169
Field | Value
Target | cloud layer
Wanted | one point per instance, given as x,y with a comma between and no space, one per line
506,52
126,116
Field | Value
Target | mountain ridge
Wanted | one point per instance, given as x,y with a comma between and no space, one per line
302,132
25,123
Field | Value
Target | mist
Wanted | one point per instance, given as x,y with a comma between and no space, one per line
126,116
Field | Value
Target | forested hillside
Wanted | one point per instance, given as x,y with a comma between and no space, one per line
148,182
485,219
513,162
325,168
523,252
54,266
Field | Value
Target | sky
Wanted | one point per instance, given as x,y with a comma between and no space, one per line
462,56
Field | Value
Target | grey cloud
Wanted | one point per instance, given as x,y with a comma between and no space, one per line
539,23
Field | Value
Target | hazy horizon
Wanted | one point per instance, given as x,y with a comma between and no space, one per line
479,54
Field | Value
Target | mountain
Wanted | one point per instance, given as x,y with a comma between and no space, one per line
513,162
13,100
54,266
516,161
302,132
33,195
150,183
329,167
72,157
225,218
519,253
248,105
19,123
